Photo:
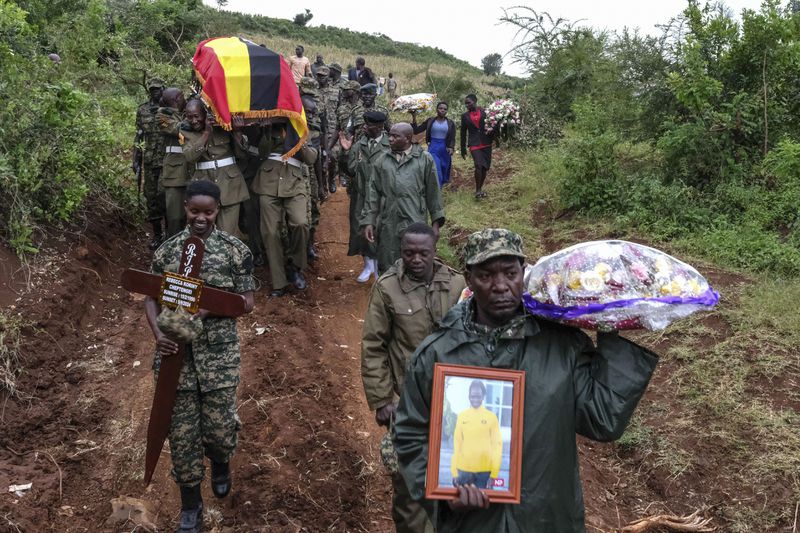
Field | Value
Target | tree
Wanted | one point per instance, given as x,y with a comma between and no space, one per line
301,19
492,64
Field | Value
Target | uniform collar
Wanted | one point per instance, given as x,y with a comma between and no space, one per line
407,284
460,318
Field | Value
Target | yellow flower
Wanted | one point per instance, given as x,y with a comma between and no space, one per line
603,270
574,280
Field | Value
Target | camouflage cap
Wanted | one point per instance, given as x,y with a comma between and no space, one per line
323,70
335,66
308,85
490,243
353,85
155,83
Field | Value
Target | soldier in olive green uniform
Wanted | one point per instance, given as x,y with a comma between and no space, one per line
336,76
250,214
571,386
405,190
175,171
204,421
405,305
211,149
309,93
282,189
148,153
359,160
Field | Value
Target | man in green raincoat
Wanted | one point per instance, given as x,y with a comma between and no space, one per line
404,190
571,387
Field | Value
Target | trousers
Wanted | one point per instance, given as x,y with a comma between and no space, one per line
407,513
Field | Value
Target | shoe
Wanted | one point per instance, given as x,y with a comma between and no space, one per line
220,479
332,187
343,182
296,278
374,263
191,520
277,293
156,241
366,273
312,253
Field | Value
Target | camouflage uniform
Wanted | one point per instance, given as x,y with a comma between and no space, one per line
175,171
405,190
310,87
204,420
218,154
151,143
401,312
357,119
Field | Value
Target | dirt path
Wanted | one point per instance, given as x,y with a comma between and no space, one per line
307,457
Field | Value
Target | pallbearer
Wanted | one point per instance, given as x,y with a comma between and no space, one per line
204,421
175,171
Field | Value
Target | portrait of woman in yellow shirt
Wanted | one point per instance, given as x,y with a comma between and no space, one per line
477,442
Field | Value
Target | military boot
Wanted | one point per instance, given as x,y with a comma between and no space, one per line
220,479
191,520
158,235
312,250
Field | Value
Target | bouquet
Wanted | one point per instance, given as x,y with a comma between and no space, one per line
414,102
608,285
500,114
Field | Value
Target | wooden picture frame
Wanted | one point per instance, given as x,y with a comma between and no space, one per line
508,404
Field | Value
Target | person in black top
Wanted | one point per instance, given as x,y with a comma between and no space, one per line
473,123
361,73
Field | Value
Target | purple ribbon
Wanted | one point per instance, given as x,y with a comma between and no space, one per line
708,298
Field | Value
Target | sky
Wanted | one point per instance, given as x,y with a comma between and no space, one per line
470,30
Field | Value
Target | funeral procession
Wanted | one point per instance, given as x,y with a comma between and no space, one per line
248,284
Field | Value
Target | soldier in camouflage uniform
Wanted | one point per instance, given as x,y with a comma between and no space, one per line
328,104
309,93
175,171
405,306
204,421
336,76
351,95
148,153
368,94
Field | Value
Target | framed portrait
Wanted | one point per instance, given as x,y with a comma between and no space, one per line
475,432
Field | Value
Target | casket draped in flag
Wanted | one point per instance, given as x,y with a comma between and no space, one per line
242,78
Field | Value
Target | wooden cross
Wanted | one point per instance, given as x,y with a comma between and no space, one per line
184,288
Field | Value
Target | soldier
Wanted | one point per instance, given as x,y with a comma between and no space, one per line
359,158
368,94
350,98
283,196
250,214
148,154
328,103
175,171
571,386
405,306
336,76
405,190
309,92
204,421
212,150
391,87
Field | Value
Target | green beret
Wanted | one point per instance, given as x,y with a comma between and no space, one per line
490,243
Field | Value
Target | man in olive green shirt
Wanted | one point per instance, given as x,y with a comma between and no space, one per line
405,190
405,306
175,171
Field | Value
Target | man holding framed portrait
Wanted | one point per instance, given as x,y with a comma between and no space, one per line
552,382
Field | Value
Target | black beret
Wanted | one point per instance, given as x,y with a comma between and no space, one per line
373,116
369,87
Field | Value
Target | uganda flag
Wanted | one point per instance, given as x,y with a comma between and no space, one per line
242,78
